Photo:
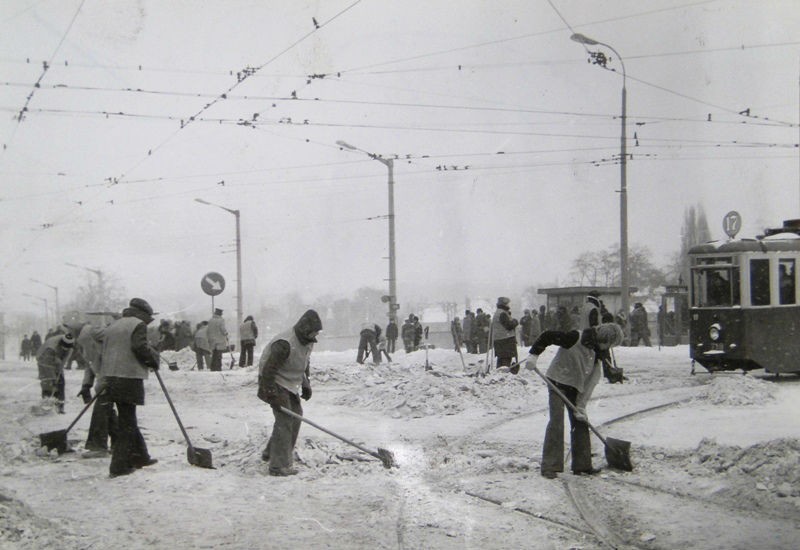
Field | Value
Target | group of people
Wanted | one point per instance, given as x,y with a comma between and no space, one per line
29,347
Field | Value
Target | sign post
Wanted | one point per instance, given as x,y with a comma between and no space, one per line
212,284
732,223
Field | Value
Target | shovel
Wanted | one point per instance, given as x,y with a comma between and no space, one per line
617,450
195,455
384,455
58,439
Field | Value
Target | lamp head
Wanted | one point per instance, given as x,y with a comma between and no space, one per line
346,145
582,39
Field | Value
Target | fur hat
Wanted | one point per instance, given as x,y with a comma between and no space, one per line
141,305
217,311
503,301
67,340
609,333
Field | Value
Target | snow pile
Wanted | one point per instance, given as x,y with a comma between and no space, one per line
411,391
21,528
738,391
766,473
185,358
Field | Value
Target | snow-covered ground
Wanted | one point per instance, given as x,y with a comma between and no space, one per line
717,462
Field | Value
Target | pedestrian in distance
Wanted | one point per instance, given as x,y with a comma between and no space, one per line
407,333
127,360
391,336
248,333
202,349
53,355
640,329
575,370
466,330
36,343
368,343
525,328
217,339
283,379
456,332
25,348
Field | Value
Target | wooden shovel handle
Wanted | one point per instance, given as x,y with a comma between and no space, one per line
567,402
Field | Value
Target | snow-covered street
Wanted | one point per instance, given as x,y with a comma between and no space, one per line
717,462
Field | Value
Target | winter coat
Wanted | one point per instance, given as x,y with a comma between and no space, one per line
217,333
36,342
576,362
504,333
126,353
391,331
466,327
590,313
50,358
201,340
248,332
286,360
408,330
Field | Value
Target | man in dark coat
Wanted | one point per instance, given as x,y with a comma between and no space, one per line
36,343
408,334
391,336
127,359
51,359
368,339
283,379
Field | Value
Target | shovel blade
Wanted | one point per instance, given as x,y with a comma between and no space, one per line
618,454
387,457
199,457
54,440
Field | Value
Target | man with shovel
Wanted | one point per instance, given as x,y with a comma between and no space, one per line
51,359
574,371
127,358
283,371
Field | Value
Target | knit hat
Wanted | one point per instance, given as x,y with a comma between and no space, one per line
610,333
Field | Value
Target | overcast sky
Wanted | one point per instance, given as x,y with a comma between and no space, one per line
146,105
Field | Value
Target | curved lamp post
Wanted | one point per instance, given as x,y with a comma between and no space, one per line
623,186
389,163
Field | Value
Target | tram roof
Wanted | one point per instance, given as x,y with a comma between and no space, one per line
747,245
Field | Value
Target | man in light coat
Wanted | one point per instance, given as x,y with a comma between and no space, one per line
217,339
283,379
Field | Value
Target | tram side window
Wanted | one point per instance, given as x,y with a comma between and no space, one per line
759,282
786,280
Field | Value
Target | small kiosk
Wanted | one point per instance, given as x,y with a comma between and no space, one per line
673,316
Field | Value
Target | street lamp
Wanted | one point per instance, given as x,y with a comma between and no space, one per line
389,163
623,173
55,288
46,309
238,262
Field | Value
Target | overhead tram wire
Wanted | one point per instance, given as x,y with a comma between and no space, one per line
246,75
46,66
116,180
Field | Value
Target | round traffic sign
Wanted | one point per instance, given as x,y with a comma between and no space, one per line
212,283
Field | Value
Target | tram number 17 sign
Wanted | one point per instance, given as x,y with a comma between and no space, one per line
732,223
212,283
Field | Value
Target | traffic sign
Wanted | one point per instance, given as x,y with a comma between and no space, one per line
212,283
732,223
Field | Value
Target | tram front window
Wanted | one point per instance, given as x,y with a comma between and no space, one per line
786,280
715,287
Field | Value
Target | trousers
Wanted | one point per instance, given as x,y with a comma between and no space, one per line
581,446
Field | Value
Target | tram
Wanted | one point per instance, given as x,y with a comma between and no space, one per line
744,302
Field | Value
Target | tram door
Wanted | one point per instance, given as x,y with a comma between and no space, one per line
673,316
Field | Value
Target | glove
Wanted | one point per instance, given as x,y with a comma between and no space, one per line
305,392
531,362
86,393
580,415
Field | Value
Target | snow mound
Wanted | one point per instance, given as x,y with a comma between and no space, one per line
738,391
408,391
21,528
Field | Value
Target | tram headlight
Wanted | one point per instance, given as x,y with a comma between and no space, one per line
714,331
